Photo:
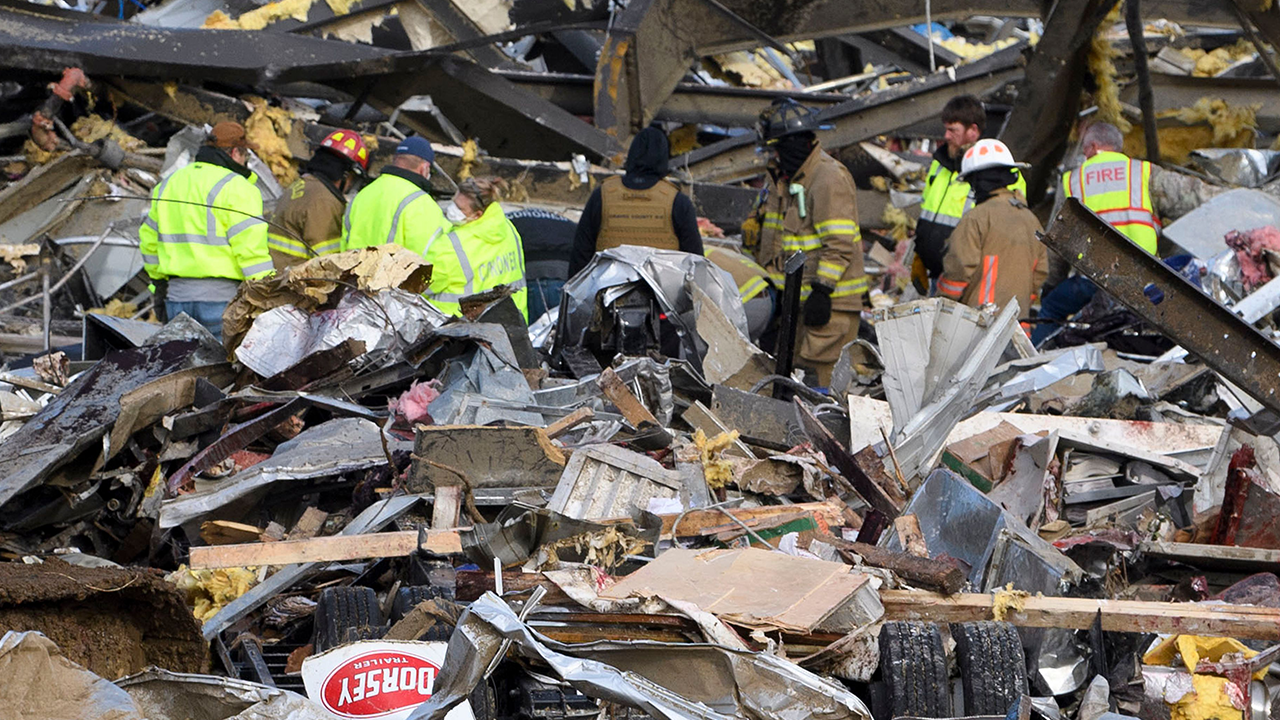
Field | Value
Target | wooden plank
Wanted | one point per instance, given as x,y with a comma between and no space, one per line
447,507
632,409
309,525
226,532
323,549
918,571
569,422
1237,621
696,522
1217,557
471,584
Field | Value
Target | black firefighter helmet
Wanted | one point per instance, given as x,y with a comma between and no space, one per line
785,117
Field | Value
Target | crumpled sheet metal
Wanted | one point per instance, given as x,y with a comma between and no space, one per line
312,284
667,272
668,681
1201,230
1238,166
1078,359
326,450
164,694
282,337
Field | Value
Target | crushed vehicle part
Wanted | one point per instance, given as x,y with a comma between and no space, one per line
914,670
345,615
993,669
669,682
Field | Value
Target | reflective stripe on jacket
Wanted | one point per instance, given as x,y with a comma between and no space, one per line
748,276
476,257
1118,189
306,223
994,255
815,212
392,209
205,221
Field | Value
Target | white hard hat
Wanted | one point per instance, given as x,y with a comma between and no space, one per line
987,154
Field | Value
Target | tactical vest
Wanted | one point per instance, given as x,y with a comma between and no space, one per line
636,217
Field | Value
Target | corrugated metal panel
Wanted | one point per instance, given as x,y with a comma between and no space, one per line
604,481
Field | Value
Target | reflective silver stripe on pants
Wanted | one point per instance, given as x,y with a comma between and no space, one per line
243,225
395,221
212,228
260,267
192,238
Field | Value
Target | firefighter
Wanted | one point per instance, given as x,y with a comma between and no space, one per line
639,208
307,222
809,204
397,207
946,195
205,232
479,252
1118,189
994,254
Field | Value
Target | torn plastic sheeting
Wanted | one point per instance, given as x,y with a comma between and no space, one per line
668,681
668,273
326,450
1082,358
40,682
280,338
164,694
440,345
1238,166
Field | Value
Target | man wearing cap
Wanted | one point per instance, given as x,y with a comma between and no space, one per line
994,254
809,205
397,207
205,233
307,222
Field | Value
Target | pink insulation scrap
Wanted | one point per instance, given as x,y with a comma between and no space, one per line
1250,246
411,407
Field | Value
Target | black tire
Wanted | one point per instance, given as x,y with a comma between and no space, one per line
483,702
346,614
993,668
913,667
878,700
407,598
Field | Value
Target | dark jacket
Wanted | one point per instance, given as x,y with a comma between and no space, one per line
548,241
646,165
931,237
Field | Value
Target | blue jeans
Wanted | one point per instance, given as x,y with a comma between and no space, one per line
1065,300
208,314
544,294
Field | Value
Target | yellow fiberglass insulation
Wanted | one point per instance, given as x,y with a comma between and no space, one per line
1102,57
92,128
267,129
1209,64
208,591
261,17
1210,123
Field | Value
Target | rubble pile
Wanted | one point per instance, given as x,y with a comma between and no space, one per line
619,493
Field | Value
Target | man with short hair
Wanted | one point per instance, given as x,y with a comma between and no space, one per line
205,233
397,207
1118,189
946,195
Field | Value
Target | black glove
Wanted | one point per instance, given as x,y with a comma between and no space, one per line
817,309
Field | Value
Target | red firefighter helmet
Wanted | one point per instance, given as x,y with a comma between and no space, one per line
349,145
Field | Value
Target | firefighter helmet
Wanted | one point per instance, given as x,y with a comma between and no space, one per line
349,145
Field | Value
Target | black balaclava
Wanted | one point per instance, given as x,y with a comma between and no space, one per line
793,150
328,165
985,182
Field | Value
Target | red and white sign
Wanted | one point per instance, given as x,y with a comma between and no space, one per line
381,679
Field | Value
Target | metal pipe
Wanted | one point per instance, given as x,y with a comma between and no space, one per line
65,278
48,304
19,280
